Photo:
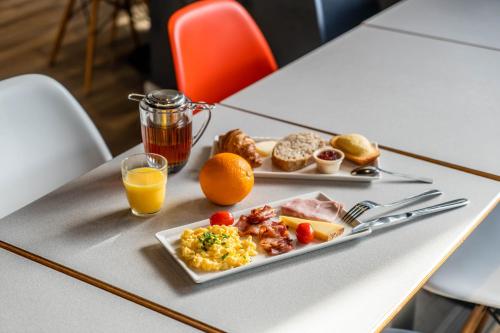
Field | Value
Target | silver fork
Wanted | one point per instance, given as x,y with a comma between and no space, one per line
358,209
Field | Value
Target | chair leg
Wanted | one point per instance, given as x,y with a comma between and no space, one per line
68,11
475,319
89,60
483,322
135,35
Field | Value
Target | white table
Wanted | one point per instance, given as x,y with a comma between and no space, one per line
426,97
35,298
471,22
86,226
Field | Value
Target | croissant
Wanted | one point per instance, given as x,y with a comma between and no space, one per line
237,142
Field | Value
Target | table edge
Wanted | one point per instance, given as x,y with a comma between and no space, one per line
428,36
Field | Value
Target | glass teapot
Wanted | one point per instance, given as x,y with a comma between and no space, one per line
166,124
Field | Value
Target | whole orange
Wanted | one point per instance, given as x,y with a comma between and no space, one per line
226,179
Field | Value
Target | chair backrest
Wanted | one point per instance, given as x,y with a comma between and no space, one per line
217,49
46,139
338,16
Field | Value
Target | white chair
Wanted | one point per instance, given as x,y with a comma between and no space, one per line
472,273
46,140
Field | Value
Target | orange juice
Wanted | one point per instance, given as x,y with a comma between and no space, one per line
145,189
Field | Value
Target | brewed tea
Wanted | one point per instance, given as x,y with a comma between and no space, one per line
172,142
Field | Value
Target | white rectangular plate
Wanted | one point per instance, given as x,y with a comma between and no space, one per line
170,238
268,170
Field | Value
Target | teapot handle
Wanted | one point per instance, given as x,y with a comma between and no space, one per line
199,107
136,97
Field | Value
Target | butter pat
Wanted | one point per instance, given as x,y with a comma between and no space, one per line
322,230
265,148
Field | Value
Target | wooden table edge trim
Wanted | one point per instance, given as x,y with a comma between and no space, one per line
112,289
478,221
419,34
394,150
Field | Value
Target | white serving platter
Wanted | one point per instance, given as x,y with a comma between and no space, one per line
268,170
170,238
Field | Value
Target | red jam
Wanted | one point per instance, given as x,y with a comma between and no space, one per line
329,155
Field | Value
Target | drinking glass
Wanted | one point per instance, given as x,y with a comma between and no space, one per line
145,179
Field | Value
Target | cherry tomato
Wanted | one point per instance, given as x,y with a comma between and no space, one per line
221,218
305,233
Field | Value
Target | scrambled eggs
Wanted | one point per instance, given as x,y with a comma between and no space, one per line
216,248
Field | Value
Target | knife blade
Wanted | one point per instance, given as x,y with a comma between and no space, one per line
409,216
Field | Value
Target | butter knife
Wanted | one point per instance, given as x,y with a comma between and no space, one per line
409,216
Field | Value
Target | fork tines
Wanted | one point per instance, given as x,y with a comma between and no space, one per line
354,213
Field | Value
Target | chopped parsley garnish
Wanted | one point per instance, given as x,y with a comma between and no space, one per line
209,238
224,256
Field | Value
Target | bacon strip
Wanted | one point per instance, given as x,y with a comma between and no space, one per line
274,246
273,236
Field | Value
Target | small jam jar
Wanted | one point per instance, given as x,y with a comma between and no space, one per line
328,160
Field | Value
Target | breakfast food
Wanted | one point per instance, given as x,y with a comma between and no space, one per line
295,151
328,160
221,218
216,248
304,233
322,230
329,155
273,236
312,209
226,179
223,246
237,142
356,148
265,148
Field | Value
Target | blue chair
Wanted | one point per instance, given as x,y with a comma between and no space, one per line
338,16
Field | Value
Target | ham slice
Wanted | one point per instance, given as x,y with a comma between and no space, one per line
312,209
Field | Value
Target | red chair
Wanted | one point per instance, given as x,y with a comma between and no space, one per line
217,49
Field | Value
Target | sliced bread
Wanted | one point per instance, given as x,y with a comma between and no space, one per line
356,148
295,151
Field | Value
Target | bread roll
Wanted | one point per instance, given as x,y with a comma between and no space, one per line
237,142
356,148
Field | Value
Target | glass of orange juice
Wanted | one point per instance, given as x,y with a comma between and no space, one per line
145,180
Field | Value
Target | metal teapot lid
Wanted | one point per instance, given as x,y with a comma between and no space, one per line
164,99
